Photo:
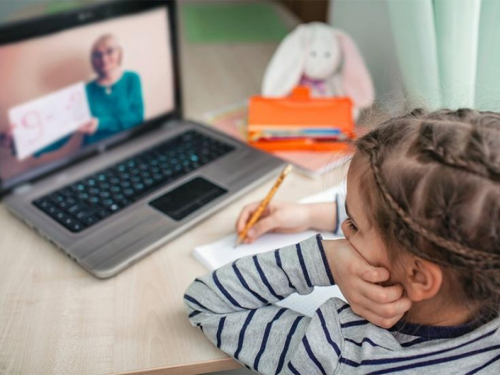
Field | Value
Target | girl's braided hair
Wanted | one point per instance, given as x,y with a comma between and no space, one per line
434,190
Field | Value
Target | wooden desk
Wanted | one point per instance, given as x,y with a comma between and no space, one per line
57,319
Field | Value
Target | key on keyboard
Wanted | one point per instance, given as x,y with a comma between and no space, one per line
95,197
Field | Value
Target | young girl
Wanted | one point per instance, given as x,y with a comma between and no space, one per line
423,202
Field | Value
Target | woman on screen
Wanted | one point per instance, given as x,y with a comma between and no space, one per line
114,97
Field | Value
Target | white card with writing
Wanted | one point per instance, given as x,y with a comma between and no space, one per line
40,122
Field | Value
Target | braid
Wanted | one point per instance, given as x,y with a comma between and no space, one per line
467,254
476,155
427,147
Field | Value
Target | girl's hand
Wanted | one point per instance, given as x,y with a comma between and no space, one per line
359,282
282,217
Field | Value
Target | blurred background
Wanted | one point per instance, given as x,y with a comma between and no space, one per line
366,21
440,53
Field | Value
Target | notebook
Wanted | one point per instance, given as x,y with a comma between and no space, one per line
221,252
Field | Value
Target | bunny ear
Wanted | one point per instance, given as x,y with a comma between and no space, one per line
287,64
356,79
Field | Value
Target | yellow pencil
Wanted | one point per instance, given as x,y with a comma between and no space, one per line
258,212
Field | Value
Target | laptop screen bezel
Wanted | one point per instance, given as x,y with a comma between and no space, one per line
46,25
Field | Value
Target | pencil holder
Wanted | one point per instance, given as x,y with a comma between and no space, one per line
300,122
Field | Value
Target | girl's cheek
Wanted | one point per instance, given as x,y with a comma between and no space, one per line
359,246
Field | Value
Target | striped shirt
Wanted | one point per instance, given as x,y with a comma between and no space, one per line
234,307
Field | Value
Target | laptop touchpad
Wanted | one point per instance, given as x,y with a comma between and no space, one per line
187,198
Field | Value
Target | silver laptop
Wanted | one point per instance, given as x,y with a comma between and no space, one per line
94,152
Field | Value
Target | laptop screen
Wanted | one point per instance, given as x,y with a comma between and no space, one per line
74,90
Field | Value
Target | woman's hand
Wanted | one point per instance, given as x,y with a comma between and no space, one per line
89,127
282,217
6,138
359,282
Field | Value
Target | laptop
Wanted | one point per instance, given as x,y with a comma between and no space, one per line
94,152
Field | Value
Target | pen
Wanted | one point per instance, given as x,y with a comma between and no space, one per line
258,212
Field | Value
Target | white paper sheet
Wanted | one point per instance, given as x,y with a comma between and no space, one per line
222,252
38,123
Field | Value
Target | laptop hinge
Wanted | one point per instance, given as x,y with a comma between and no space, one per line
23,189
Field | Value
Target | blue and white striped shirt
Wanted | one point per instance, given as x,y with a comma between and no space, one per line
234,307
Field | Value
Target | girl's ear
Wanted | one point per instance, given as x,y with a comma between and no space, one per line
423,279
356,79
287,64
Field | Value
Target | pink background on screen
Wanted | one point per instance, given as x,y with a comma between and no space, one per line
40,66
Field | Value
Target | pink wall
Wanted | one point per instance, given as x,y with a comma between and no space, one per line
37,67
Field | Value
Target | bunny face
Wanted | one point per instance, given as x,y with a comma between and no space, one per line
319,52
323,56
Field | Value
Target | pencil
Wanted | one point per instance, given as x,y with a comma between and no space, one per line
258,212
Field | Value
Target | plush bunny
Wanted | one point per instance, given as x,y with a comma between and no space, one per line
323,58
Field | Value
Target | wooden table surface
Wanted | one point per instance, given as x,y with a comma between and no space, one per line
55,318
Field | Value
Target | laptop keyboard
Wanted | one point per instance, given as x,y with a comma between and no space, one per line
102,194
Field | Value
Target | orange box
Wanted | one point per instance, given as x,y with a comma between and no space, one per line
299,112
